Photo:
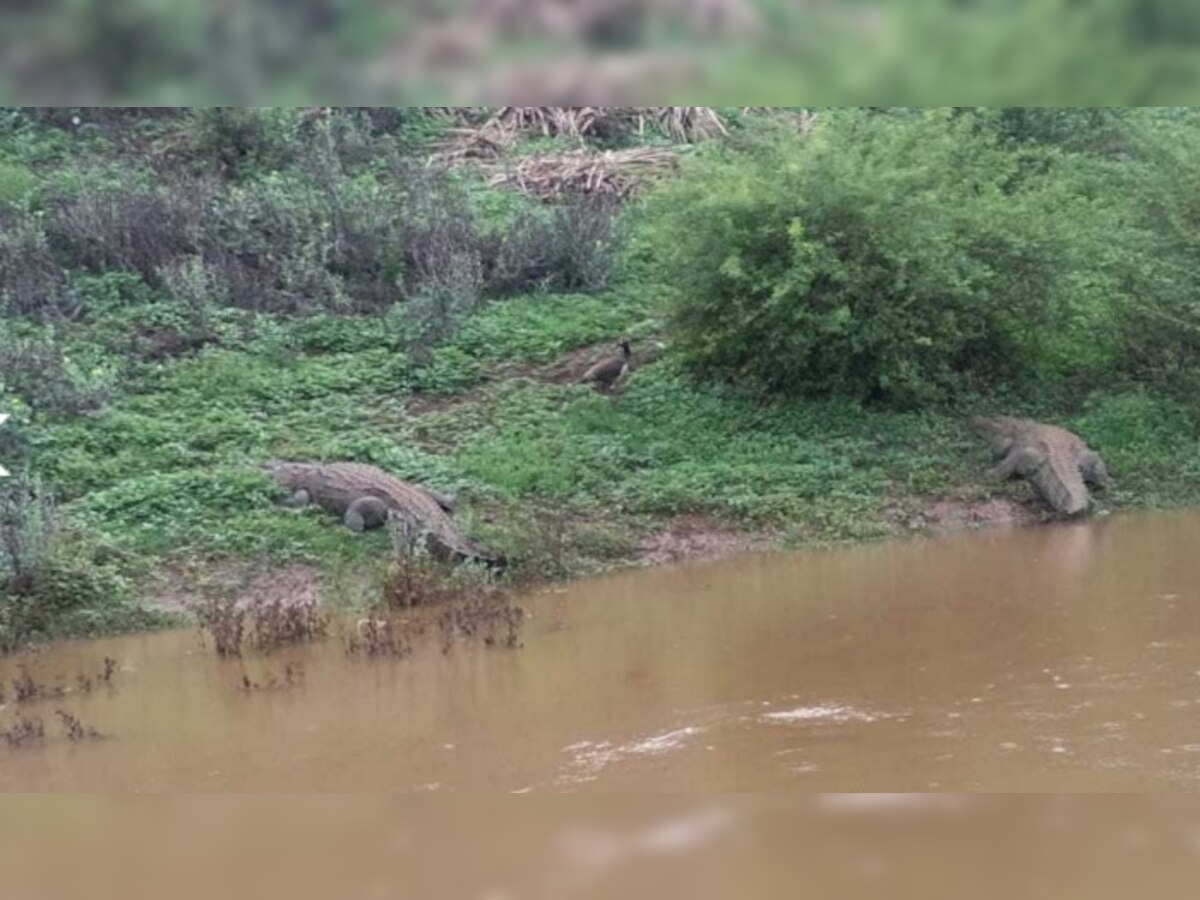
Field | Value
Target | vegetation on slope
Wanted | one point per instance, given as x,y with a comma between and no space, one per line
187,295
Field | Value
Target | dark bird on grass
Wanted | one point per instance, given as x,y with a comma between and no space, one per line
608,372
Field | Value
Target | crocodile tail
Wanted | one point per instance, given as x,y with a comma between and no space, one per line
1061,485
465,552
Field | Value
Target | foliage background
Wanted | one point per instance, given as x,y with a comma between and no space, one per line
186,294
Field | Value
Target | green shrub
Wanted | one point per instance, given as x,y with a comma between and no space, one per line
29,526
880,258
55,580
1151,445
135,226
38,372
242,140
1158,249
197,287
32,283
17,183
570,247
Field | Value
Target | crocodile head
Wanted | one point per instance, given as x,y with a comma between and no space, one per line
987,425
497,563
997,431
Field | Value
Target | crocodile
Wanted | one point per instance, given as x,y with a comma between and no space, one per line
1056,462
367,497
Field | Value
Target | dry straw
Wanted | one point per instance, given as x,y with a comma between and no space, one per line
616,173
550,175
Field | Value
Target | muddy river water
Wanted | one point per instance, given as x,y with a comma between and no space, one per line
1056,658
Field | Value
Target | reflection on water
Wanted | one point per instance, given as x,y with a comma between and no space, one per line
1063,658
899,846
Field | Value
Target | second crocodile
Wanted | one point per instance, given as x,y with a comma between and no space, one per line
1056,462
366,497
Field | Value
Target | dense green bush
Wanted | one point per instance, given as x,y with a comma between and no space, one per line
55,580
17,183
1158,249
319,236
32,282
35,369
570,247
242,140
881,258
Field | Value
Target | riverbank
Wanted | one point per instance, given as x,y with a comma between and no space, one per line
188,294
163,479
564,480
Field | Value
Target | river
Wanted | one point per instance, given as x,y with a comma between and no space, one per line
1055,658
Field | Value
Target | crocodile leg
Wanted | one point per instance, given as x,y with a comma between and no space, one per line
364,513
298,499
1000,448
1092,468
1021,462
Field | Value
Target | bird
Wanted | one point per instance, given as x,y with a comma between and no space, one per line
607,372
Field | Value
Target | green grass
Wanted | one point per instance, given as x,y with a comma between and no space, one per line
560,478
170,469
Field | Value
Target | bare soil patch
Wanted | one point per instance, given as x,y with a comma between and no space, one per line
695,537
179,587
963,509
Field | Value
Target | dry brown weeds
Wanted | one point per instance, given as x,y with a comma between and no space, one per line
617,173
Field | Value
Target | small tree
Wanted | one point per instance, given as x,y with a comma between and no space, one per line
882,258
28,531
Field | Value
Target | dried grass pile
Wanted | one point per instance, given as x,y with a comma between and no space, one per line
684,124
553,121
473,144
687,124
616,173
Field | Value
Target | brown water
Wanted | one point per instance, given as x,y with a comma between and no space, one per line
626,846
1061,658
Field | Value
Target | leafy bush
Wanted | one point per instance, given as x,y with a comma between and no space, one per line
32,282
305,240
1158,247
273,242
17,183
129,227
447,296
566,248
880,259
29,526
54,580
196,287
242,140
38,372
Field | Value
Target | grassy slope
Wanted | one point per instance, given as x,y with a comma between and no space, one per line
169,471
562,478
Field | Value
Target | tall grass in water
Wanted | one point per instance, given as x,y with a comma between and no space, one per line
462,602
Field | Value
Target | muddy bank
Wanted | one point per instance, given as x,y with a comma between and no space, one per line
963,509
177,588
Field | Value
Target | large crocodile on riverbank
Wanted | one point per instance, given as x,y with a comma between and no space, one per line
1056,462
367,497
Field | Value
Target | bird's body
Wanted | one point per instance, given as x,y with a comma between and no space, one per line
608,372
